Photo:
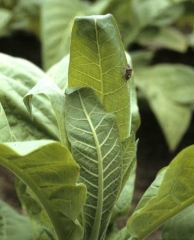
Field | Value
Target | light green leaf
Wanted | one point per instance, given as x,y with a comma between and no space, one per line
57,99
166,37
57,20
147,10
13,225
50,172
98,61
26,16
180,227
168,89
17,77
59,73
175,193
5,132
169,15
96,146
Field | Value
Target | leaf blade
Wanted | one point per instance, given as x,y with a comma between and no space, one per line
49,179
96,147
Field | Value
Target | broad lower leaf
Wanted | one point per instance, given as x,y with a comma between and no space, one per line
175,193
96,146
5,132
180,226
98,60
49,171
17,77
168,89
13,225
57,20
57,99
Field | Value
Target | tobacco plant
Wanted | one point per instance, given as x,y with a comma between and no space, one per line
74,151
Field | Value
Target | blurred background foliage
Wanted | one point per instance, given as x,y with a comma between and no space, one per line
146,27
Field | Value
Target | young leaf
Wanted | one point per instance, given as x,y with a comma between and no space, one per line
13,225
98,60
49,171
175,193
96,146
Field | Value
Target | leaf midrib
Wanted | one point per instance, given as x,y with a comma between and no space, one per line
97,219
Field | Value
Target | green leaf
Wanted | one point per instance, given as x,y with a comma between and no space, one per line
169,15
96,146
13,225
57,99
115,234
180,226
57,19
58,73
123,204
174,194
152,191
166,37
49,171
26,16
17,77
168,89
5,132
98,60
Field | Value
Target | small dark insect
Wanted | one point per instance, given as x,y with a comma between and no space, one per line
128,72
